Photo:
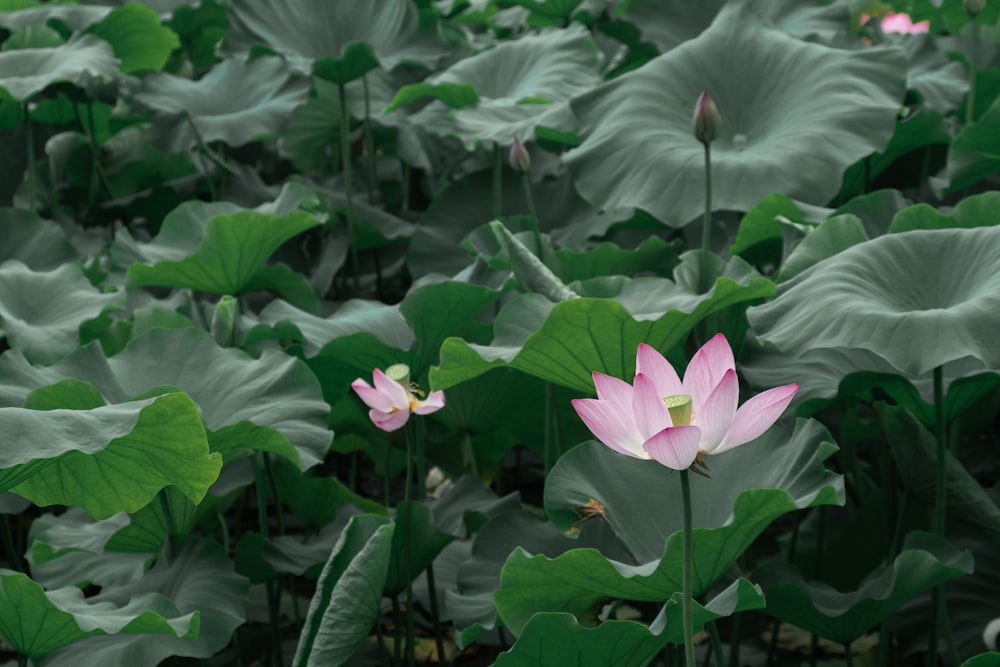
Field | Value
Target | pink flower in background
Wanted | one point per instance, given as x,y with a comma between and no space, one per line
661,417
900,23
392,401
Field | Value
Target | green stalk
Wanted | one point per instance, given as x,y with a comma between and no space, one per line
688,566
716,643
535,222
940,504
22,660
345,165
369,141
169,522
273,596
381,642
848,655
970,108
734,641
706,225
497,181
32,204
206,153
435,615
469,454
407,499
13,553
549,440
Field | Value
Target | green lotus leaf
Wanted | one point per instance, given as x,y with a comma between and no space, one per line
554,66
224,254
975,152
271,403
599,333
236,102
750,487
552,637
864,296
37,622
668,23
926,561
348,594
42,312
107,459
307,30
832,236
39,244
784,103
137,37
941,83
74,17
70,550
975,211
28,71
198,579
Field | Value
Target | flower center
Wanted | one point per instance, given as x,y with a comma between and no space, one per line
679,407
400,373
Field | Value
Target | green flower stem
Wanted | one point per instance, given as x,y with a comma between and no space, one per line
13,553
421,459
550,436
345,165
970,107
384,650
404,184
469,454
30,136
735,635
206,154
706,225
407,575
497,181
397,632
848,656
940,505
169,522
688,566
22,660
716,643
435,615
272,587
535,222
369,142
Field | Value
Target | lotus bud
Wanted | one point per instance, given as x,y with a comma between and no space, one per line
519,159
707,121
974,7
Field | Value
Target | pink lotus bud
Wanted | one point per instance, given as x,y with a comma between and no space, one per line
519,159
706,121
974,7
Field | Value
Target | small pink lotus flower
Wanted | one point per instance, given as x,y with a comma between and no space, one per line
392,400
706,121
900,23
519,159
660,417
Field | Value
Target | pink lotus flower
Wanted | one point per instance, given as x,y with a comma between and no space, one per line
674,422
900,23
392,401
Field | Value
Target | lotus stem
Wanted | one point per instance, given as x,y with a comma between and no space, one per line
551,445
940,505
716,643
535,222
705,282
206,154
13,553
397,632
970,107
469,454
345,166
407,500
688,566
734,641
497,181
169,522
435,616
30,136
848,655
384,652
369,141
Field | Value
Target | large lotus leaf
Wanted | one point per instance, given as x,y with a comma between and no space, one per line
39,244
583,335
261,559
137,37
942,287
976,211
975,152
70,550
348,594
926,561
751,486
784,103
942,83
555,638
271,403
236,102
307,30
74,17
231,253
546,68
198,579
42,312
668,23
36,622
25,72
107,459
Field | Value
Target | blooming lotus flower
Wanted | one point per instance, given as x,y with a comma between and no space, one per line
393,400
674,422
900,23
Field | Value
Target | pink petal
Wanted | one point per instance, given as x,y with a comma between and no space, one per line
389,422
903,23
757,415
675,447
653,365
434,402
611,425
613,390
707,368
650,414
717,413
373,398
400,397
